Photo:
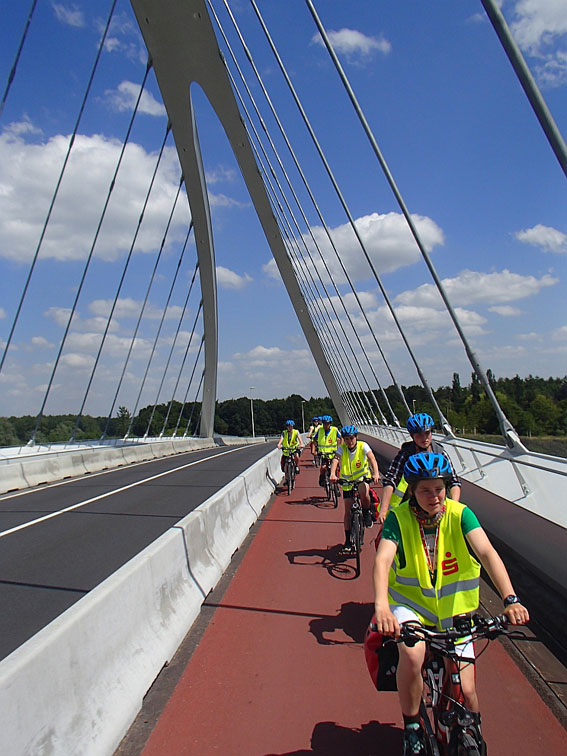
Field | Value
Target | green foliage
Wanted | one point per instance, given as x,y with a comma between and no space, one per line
535,407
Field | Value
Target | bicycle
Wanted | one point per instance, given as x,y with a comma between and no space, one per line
331,489
452,728
356,520
289,471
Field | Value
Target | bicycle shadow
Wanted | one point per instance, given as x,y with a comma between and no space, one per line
337,564
353,619
370,739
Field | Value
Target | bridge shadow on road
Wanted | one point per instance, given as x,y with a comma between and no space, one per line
371,739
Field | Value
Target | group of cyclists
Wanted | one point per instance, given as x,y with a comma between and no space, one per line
429,554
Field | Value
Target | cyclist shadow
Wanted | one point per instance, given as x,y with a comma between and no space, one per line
353,619
337,564
330,739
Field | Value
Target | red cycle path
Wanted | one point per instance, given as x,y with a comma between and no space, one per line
280,669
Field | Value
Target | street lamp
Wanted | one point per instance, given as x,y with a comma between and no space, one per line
413,402
252,411
302,415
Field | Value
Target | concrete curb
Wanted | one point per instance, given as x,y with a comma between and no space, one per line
78,684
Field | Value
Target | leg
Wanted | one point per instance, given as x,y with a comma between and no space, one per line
346,520
468,685
363,490
410,681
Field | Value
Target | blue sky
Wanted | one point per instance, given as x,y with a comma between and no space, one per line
487,194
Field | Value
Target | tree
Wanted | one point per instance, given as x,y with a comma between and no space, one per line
123,420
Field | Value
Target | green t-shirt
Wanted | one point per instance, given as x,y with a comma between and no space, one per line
391,531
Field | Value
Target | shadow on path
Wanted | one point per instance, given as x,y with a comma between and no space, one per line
352,619
371,739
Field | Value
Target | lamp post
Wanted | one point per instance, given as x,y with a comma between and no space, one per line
413,402
302,415
252,411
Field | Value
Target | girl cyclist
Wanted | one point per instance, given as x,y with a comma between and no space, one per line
427,570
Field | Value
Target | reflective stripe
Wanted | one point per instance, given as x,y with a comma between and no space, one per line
399,598
461,585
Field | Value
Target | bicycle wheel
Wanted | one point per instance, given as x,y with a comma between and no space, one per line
355,537
462,743
335,495
288,479
431,744
327,485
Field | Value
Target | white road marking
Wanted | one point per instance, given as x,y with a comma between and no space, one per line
110,493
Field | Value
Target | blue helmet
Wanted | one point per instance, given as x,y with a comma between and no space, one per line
289,422
349,430
327,419
426,466
420,422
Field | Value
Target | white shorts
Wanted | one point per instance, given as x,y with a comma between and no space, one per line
403,614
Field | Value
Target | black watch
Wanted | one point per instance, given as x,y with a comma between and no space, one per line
511,599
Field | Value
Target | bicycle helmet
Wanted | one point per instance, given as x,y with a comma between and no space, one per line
327,419
349,430
426,466
420,422
289,422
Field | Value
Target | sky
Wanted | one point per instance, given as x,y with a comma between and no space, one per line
485,190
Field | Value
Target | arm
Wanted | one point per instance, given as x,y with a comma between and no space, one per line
493,564
280,442
374,467
385,620
455,493
333,471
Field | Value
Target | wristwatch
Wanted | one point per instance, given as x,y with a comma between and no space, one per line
511,599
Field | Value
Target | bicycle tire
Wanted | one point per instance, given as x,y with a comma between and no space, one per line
463,744
335,495
431,742
288,478
355,526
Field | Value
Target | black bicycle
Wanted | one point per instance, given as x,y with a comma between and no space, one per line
331,489
452,725
289,471
356,520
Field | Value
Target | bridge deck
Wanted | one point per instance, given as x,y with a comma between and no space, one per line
279,667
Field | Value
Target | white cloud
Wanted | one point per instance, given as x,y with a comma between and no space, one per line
124,97
507,311
131,308
41,342
546,237
220,174
2,313
474,287
356,46
71,16
228,279
29,177
124,38
386,238
540,29
560,334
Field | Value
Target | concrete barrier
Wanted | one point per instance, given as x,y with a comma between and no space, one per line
77,685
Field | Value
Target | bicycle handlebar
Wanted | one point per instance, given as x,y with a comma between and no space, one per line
342,481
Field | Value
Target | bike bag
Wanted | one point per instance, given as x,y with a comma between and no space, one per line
381,658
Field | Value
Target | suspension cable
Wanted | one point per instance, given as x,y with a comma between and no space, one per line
56,192
17,58
189,386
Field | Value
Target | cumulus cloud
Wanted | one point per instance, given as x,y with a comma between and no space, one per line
124,97
547,238
124,38
127,307
472,287
29,176
69,15
228,279
386,238
507,311
540,29
354,45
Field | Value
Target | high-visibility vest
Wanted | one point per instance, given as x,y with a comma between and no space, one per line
456,589
327,444
290,444
313,431
399,493
354,470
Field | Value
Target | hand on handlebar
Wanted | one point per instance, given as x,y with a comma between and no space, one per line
386,623
517,614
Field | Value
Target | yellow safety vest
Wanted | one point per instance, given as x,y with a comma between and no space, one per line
289,445
355,470
456,589
327,444
399,493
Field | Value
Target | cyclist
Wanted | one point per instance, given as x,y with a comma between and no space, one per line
290,443
355,461
328,438
313,435
419,427
427,570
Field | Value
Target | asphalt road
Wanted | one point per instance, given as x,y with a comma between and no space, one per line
58,542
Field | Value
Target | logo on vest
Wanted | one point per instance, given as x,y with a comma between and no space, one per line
449,565
357,463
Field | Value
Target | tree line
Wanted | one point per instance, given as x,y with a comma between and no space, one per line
535,407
